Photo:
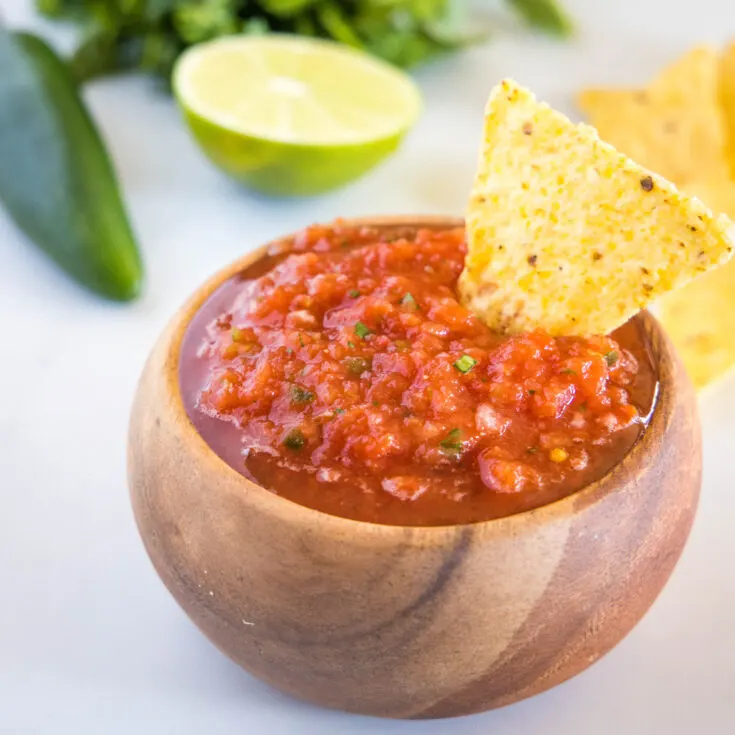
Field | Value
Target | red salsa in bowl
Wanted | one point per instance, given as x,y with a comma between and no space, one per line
341,372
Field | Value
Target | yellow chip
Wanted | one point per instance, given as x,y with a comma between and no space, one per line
568,235
675,127
691,79
727,99
700,318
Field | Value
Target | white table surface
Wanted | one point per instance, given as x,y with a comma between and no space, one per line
90,641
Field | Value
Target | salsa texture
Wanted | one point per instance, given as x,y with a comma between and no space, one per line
341,372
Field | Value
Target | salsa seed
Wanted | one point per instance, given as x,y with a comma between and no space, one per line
409,301
452,445
357,365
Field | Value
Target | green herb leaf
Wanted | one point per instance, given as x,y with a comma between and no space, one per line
532,450
350,344
531,392
295,439
568,371
465,364
354,293
361,330
339,411
611,358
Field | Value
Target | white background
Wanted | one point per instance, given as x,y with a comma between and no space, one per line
90,641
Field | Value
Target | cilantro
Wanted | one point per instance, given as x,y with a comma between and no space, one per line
362,331
611,358
350,344
149,35
354,293
465,364
295,439
301,395
339,411
568,371
531,392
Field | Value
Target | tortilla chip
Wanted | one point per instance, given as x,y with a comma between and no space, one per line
727,100
693,78
675,127
568,235
700,318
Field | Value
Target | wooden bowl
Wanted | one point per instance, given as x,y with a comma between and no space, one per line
409,622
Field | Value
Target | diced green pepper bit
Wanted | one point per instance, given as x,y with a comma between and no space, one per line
465,363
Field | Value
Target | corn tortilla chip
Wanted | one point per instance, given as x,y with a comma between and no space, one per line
691,79
675,127
727,99
568,235
700,318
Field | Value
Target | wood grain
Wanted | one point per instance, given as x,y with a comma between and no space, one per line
409,622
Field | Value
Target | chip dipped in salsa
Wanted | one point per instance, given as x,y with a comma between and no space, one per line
341,372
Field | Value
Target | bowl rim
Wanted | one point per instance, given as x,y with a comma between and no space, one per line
636,458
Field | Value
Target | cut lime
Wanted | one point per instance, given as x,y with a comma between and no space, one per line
288,115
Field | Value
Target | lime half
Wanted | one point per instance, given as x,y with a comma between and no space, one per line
288,115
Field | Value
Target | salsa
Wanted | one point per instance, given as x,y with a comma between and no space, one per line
341,372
